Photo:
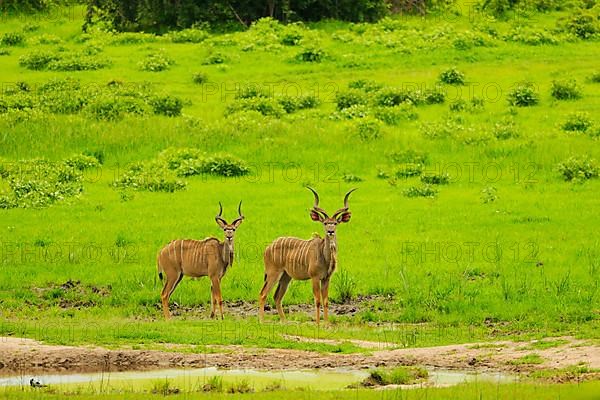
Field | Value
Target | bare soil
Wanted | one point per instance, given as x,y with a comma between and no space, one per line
25,356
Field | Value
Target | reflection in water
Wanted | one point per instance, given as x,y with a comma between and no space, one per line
325,379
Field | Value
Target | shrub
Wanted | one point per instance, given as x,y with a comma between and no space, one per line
368,129
394,115
595,77
188,36
390,97
350,98
156,62
12,39
531,36
266,106
291,38
505,129
523,95
214,58
82,162
39,183
77,63
409,169
583,24
225,165
38,59
396,376
199,78
566,90
151,176
577,122
420,191
489,195
578,168
458,105
365,85
433,96
311,54
105,108
4,52
408,156
452,76
294,103
436,179
167,105
349,178
45,39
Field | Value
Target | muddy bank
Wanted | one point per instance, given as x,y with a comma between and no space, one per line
20,356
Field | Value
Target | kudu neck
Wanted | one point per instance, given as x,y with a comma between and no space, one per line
227,252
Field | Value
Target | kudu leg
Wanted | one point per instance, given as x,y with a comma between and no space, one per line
316,284
218,297
284,281
270,281
171,282
325,299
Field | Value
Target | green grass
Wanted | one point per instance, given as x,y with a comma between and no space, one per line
529,359
505,249
581,391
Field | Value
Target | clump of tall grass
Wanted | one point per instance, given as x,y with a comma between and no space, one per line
395,376
452,76
40,183
525,94
578,168
345,287
156,62
566,90
426,190
577,122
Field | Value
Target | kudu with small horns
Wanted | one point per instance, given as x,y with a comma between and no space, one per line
209,257
290,258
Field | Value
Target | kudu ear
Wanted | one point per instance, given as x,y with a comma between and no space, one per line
344,217
315,216
237,222
221,222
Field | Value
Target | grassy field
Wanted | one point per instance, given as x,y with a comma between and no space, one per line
507,247
584,391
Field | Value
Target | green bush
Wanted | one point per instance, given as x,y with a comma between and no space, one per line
266,106
595,77
4,52
408,156
350,98
368,129
531,36
525,94
225,165
452,76
188,36
409,170
428,191
584,24
458,105
566,90
199,78
82,162
577,122
38,59
168,105
294,103
105,108
156,62
12,39
311,54
395,115
77,63
40,183
578,168
436,179
214,58
365,85
151,176
506,129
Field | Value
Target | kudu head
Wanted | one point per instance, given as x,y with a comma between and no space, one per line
229,229
330,223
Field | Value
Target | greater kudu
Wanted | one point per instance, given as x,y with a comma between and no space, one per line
209,257
290,258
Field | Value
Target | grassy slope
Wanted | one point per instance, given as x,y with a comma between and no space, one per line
546,220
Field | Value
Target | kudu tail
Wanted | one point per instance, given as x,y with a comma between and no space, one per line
160,270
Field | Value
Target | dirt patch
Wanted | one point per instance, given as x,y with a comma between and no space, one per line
18,356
